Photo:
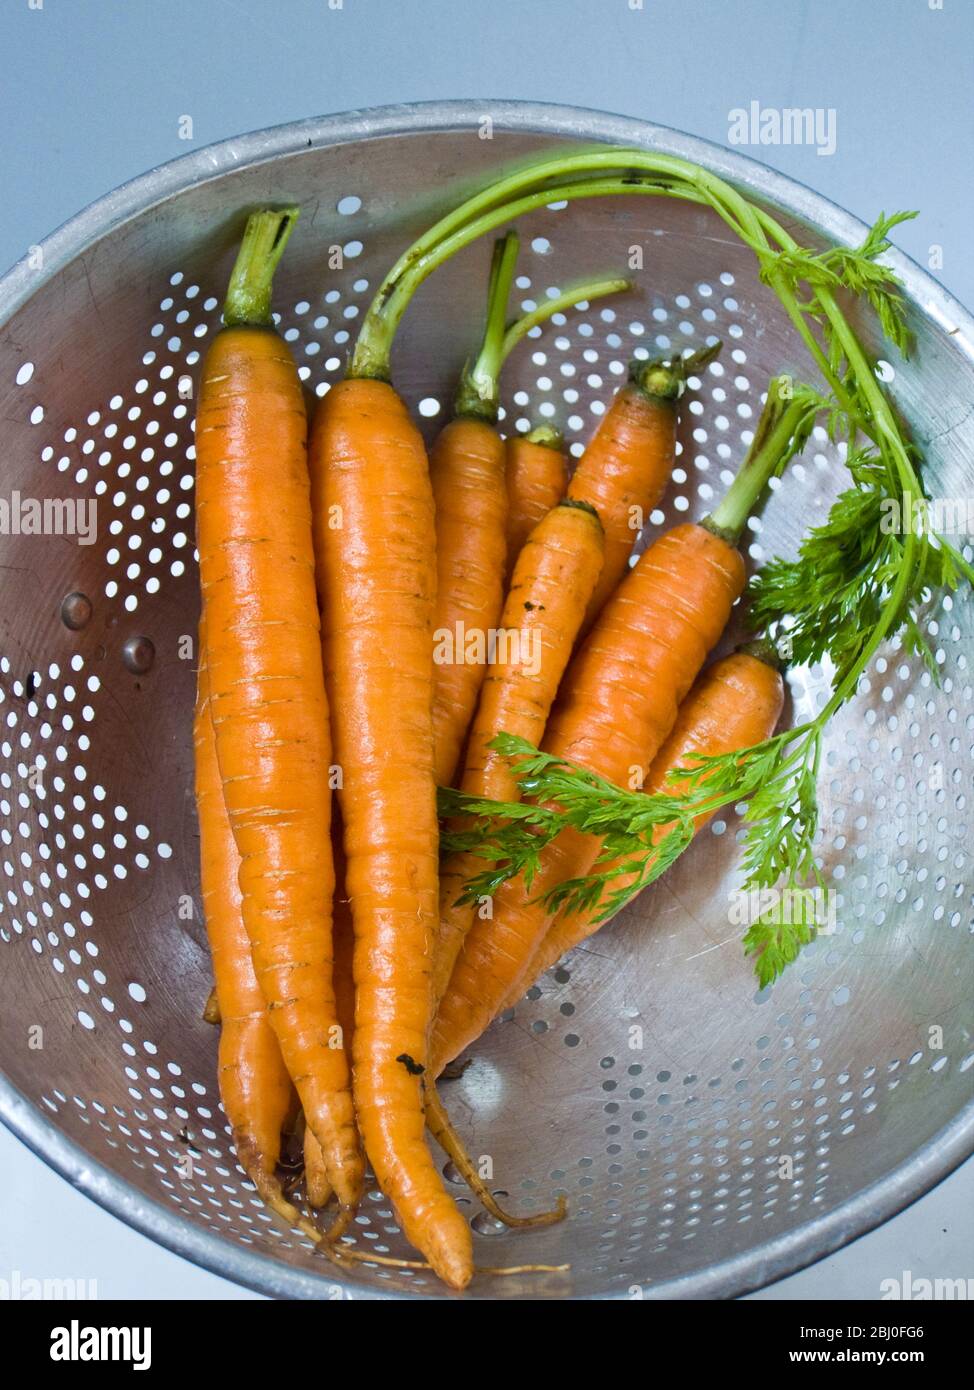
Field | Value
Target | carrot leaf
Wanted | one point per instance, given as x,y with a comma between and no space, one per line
642,833
829,601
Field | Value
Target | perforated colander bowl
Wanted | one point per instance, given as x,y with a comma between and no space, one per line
708,1137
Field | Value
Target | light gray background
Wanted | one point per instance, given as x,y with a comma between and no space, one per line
93,92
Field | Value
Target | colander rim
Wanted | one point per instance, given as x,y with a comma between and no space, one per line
765,1263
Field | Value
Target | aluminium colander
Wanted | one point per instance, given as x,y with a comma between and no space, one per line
709,1137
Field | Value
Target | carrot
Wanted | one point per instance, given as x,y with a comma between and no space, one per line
467,475
373,510
317,1187
553,581
536,476
376,586
254,1085
556,569
255,1088
626,467
343,933
267,690
467,470
735,703
470,502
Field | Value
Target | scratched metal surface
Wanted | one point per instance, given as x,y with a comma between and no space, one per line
646,1078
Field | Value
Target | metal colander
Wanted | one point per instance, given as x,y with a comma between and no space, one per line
709,1137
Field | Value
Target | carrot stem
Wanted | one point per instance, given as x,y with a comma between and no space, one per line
762,648
547,436
248,298
569,299
768,451
536,179
477,392
665,378
374,346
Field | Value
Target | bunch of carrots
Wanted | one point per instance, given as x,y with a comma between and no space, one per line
353,962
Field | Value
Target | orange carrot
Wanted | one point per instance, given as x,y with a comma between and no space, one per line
373,509
626,467
735,703
267,691
470,498
317,1187
344,940
254,1085
553,580
536,479
617,705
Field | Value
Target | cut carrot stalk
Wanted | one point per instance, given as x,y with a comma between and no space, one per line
267,691
553,581
734,704
616,708
442,1130
537,474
